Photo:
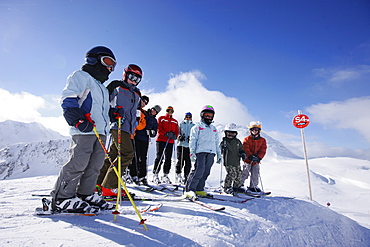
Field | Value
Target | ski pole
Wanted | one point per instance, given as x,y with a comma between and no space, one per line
259,175
142,221
160,160
119,167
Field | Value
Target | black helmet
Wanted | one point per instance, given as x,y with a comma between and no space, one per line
100,50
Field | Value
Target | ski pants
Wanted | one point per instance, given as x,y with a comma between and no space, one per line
183,161
198,176
108,177
164,149
79,174
233,177
253,171
138,164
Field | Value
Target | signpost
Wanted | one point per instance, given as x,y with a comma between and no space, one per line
301,121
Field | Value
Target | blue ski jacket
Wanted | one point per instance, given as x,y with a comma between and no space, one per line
90,95
185,127
204,138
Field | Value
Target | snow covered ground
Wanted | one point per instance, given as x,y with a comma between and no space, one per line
342,182
268,221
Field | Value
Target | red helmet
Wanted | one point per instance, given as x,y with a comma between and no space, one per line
133,68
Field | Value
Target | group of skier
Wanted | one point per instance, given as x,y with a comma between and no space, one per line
94,111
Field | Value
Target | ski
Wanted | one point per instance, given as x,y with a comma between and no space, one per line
230,200
203,204
237,194
151,208
40,212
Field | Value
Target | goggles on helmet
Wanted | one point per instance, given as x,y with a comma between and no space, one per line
134,77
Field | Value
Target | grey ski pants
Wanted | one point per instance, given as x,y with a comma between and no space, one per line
253,171
81,171
198,176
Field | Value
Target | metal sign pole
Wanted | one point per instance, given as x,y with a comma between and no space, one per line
305,157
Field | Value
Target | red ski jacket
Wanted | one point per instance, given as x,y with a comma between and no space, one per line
254,147
166,124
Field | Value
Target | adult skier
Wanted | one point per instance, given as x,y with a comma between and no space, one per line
183,153
255,148
204,146
232,150
85,103
168,130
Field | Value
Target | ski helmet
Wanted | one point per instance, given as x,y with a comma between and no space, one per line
100,50
188,114
102,54
255,124
170,108
133,72
231,127
157,108
207,109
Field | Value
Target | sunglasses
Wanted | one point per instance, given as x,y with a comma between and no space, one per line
187,116
133,77
255,129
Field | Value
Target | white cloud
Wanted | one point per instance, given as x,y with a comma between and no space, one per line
186,93
349,114
25,107
338,76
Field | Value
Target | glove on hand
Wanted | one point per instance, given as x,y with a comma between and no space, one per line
181,138
193,157
243,156
254,158
86,124
152,133
171,135
116,113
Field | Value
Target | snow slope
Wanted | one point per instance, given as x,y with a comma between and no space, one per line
268,221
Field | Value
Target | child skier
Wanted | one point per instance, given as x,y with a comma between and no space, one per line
232,150
204,146
255,148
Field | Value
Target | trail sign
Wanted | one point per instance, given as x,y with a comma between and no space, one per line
301,121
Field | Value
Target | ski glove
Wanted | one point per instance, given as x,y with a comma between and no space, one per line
243,156
193,157
86,124
116,113
181,138
152,133
171,135
254,158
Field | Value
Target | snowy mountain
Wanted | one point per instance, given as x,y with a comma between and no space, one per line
342,183
12,132
44,156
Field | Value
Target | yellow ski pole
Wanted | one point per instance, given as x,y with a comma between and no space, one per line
142,221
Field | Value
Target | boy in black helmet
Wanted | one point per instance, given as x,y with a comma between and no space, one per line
85,103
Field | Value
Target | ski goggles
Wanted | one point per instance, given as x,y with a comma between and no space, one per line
208,115
108,62
255,129
134,77
104,60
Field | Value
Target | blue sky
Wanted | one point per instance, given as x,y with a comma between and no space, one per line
265,59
